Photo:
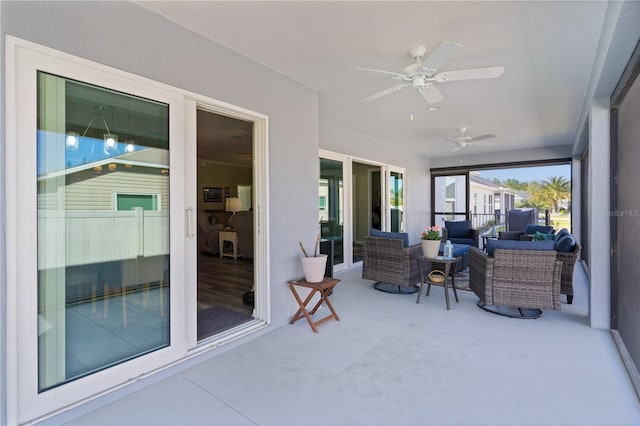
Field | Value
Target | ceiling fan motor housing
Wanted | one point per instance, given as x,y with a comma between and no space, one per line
418,82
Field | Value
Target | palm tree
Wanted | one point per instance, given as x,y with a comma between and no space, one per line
556,189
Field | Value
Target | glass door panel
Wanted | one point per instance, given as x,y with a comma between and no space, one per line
396,201
449,198
331,206
103,228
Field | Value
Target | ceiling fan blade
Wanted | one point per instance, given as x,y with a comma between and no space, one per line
431,94
483,137
395,75
385,92
441,54
470,74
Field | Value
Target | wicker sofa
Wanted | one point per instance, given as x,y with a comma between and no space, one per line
388,261
516,278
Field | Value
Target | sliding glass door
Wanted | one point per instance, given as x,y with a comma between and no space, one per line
103,228
395,188
96,230
356,196
331,210
101,206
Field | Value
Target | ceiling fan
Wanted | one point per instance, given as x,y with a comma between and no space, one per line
463,140
422,74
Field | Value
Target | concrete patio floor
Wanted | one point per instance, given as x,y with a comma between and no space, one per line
390,361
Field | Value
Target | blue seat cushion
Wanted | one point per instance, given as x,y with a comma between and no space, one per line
532,229
492,245
566,243
458,229
458,249
402,235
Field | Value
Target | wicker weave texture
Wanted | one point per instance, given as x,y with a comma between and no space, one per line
388,261
568,263
517,278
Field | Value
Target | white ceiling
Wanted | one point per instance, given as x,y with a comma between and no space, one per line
546,48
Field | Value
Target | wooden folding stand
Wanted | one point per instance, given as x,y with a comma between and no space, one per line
324,287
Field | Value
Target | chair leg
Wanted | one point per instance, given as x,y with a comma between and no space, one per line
569,299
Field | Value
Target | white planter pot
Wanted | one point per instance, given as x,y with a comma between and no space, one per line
430,248
314,267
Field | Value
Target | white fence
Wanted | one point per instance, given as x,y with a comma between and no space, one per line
81,237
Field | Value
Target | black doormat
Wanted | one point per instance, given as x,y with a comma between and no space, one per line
218,319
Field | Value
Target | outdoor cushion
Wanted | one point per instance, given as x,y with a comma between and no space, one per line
561,233
540,236
402,235
458,249
532,229
458,229
566,243
518,245
465,241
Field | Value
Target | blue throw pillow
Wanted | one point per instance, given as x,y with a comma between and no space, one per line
401,235
539,236
546,245
561,233
458,229
566,244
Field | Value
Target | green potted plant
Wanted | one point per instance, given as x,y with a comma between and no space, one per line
313,266
431,241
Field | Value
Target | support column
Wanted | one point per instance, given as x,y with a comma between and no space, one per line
599,237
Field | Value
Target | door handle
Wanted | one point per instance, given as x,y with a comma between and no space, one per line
189,222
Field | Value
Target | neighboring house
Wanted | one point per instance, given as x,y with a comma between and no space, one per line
488,201
108,182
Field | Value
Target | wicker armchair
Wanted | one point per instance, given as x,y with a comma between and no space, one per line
516,278
387,261
568,263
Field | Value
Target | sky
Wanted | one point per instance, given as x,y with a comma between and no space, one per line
526,174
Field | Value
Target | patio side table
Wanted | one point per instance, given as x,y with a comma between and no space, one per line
324,287
448,266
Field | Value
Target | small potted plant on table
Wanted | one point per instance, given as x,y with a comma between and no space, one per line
431,241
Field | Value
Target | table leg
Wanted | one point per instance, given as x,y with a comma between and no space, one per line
302,311
453,279
421,280
446,284
325,298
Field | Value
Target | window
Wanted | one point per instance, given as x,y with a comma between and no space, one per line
132,201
